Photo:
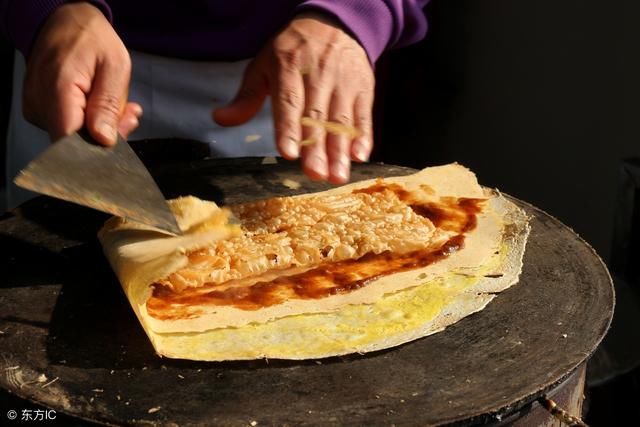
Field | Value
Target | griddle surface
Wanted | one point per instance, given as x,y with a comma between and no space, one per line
63,314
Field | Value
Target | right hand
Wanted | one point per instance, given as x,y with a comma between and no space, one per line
78,76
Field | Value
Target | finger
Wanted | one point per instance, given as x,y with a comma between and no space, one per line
339,144
65,114
287,99
128,123
314,160
130,119
317,99
107,100
249,99
133,108
362,111
63,111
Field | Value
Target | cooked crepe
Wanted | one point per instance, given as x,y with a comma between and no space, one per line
357,268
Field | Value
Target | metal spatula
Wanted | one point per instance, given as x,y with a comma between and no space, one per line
111,180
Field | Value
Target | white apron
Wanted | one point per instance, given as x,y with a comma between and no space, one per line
177,97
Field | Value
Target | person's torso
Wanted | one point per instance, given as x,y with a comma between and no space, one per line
223,30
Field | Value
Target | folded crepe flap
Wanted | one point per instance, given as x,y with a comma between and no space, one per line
141,255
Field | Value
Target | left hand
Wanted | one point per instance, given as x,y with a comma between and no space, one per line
82,69
311,69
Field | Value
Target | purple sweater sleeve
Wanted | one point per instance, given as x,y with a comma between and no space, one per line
377,24
20,20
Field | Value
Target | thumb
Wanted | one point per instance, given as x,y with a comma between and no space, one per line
106,101
248,101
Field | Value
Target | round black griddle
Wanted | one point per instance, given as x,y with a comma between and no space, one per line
63,314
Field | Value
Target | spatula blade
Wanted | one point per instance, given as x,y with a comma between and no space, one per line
109,179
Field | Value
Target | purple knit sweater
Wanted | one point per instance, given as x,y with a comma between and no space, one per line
224,30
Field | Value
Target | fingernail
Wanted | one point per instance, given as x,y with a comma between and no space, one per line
108,131
341,170
361,153
291,149
318,166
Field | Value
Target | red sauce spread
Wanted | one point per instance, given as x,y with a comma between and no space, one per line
449,214
452,214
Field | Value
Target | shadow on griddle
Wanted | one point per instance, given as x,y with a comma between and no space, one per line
92,324
66,220
25,263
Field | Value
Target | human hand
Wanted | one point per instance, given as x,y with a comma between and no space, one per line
78,75
312,69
